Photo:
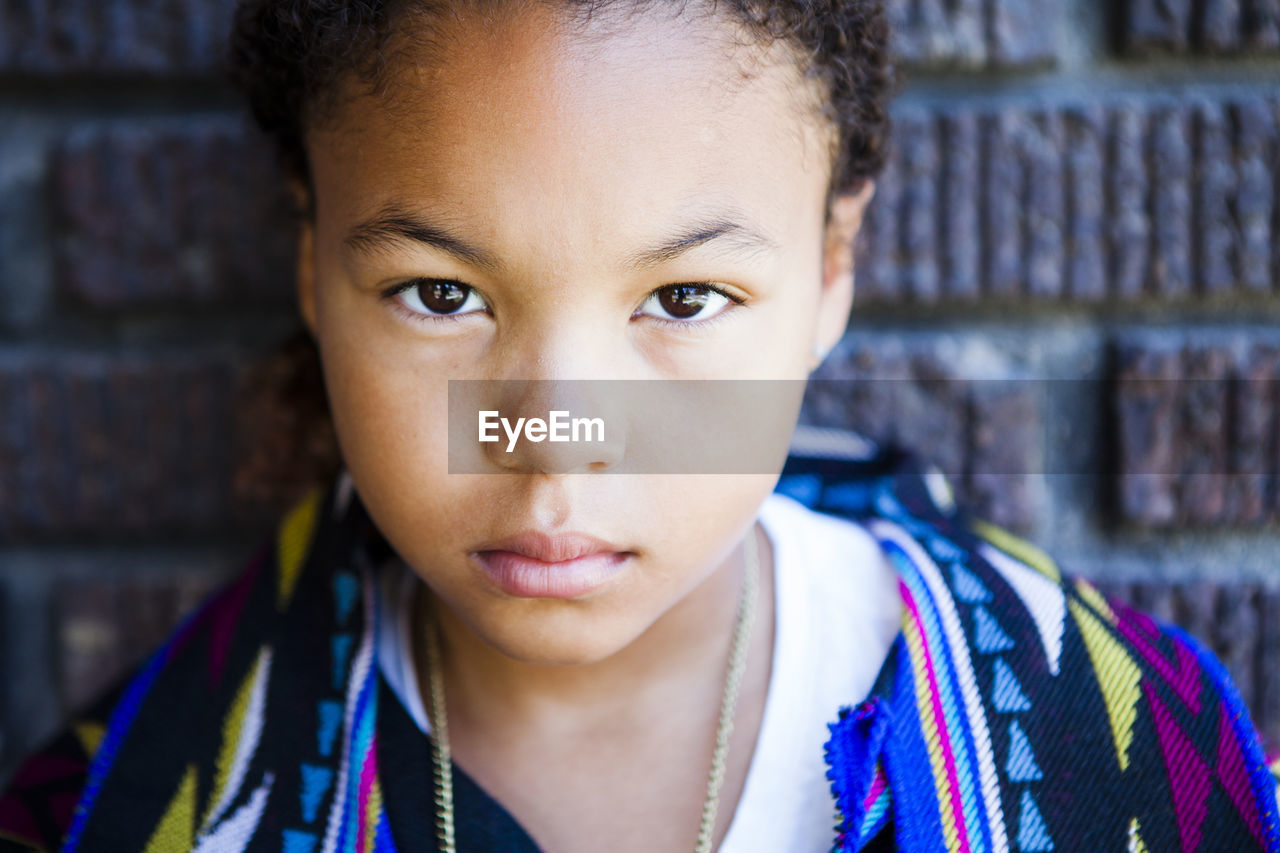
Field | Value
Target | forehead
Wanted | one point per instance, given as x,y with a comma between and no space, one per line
534,117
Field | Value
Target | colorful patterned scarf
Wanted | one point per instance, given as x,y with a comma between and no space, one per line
1017,710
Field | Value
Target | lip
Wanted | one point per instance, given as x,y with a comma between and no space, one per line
538,565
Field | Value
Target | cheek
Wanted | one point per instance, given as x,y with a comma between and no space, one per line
696,518
391,419
388,400
788,322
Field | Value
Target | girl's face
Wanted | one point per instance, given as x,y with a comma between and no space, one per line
520,202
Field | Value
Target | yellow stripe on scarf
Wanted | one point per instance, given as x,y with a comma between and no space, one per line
1018,548
294,541
1118,676
176,831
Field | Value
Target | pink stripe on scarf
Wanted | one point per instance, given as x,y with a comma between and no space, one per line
368,774
949,761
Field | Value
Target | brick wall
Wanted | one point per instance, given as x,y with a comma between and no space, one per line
1068,295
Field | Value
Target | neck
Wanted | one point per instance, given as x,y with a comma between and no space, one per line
679,658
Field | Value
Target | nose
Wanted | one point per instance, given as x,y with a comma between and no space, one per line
557,397
558,426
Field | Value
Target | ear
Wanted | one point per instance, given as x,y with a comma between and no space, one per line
844,218
305,281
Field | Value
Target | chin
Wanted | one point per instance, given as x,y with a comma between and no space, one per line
556,639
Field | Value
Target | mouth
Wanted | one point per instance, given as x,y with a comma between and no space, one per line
537,565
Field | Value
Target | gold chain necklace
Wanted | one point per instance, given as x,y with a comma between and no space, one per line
443,760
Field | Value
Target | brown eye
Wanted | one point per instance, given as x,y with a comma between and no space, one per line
685,302
439,297
443,297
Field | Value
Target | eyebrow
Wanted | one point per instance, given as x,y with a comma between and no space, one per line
394,224
730,231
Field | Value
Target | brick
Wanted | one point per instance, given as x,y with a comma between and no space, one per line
973,32
155,214
931,411
1042,146
986,436
878,256
1159,600
905,37
115,445
1234,625
120,36
29,713
1002,198
857,390
854,389
967,24
1022,31
1203,443
6,747
920,157
39,36
1147,413
1220,27
1215,188
1207,26
1161,202
26,285
933,31
1198,431
964,23
961,232
1171,204
1271,443
105,627
1155,24
1262,24
1257,149
1085,166
1130,227
1006,452
866,286
1253,416
905,34
1275,174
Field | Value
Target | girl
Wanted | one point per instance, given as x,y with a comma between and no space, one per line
546,198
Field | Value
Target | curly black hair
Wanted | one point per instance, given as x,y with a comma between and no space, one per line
290,56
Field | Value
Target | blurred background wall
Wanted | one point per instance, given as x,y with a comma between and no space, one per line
1071,273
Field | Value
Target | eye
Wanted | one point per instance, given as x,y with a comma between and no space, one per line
686,302
438,297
